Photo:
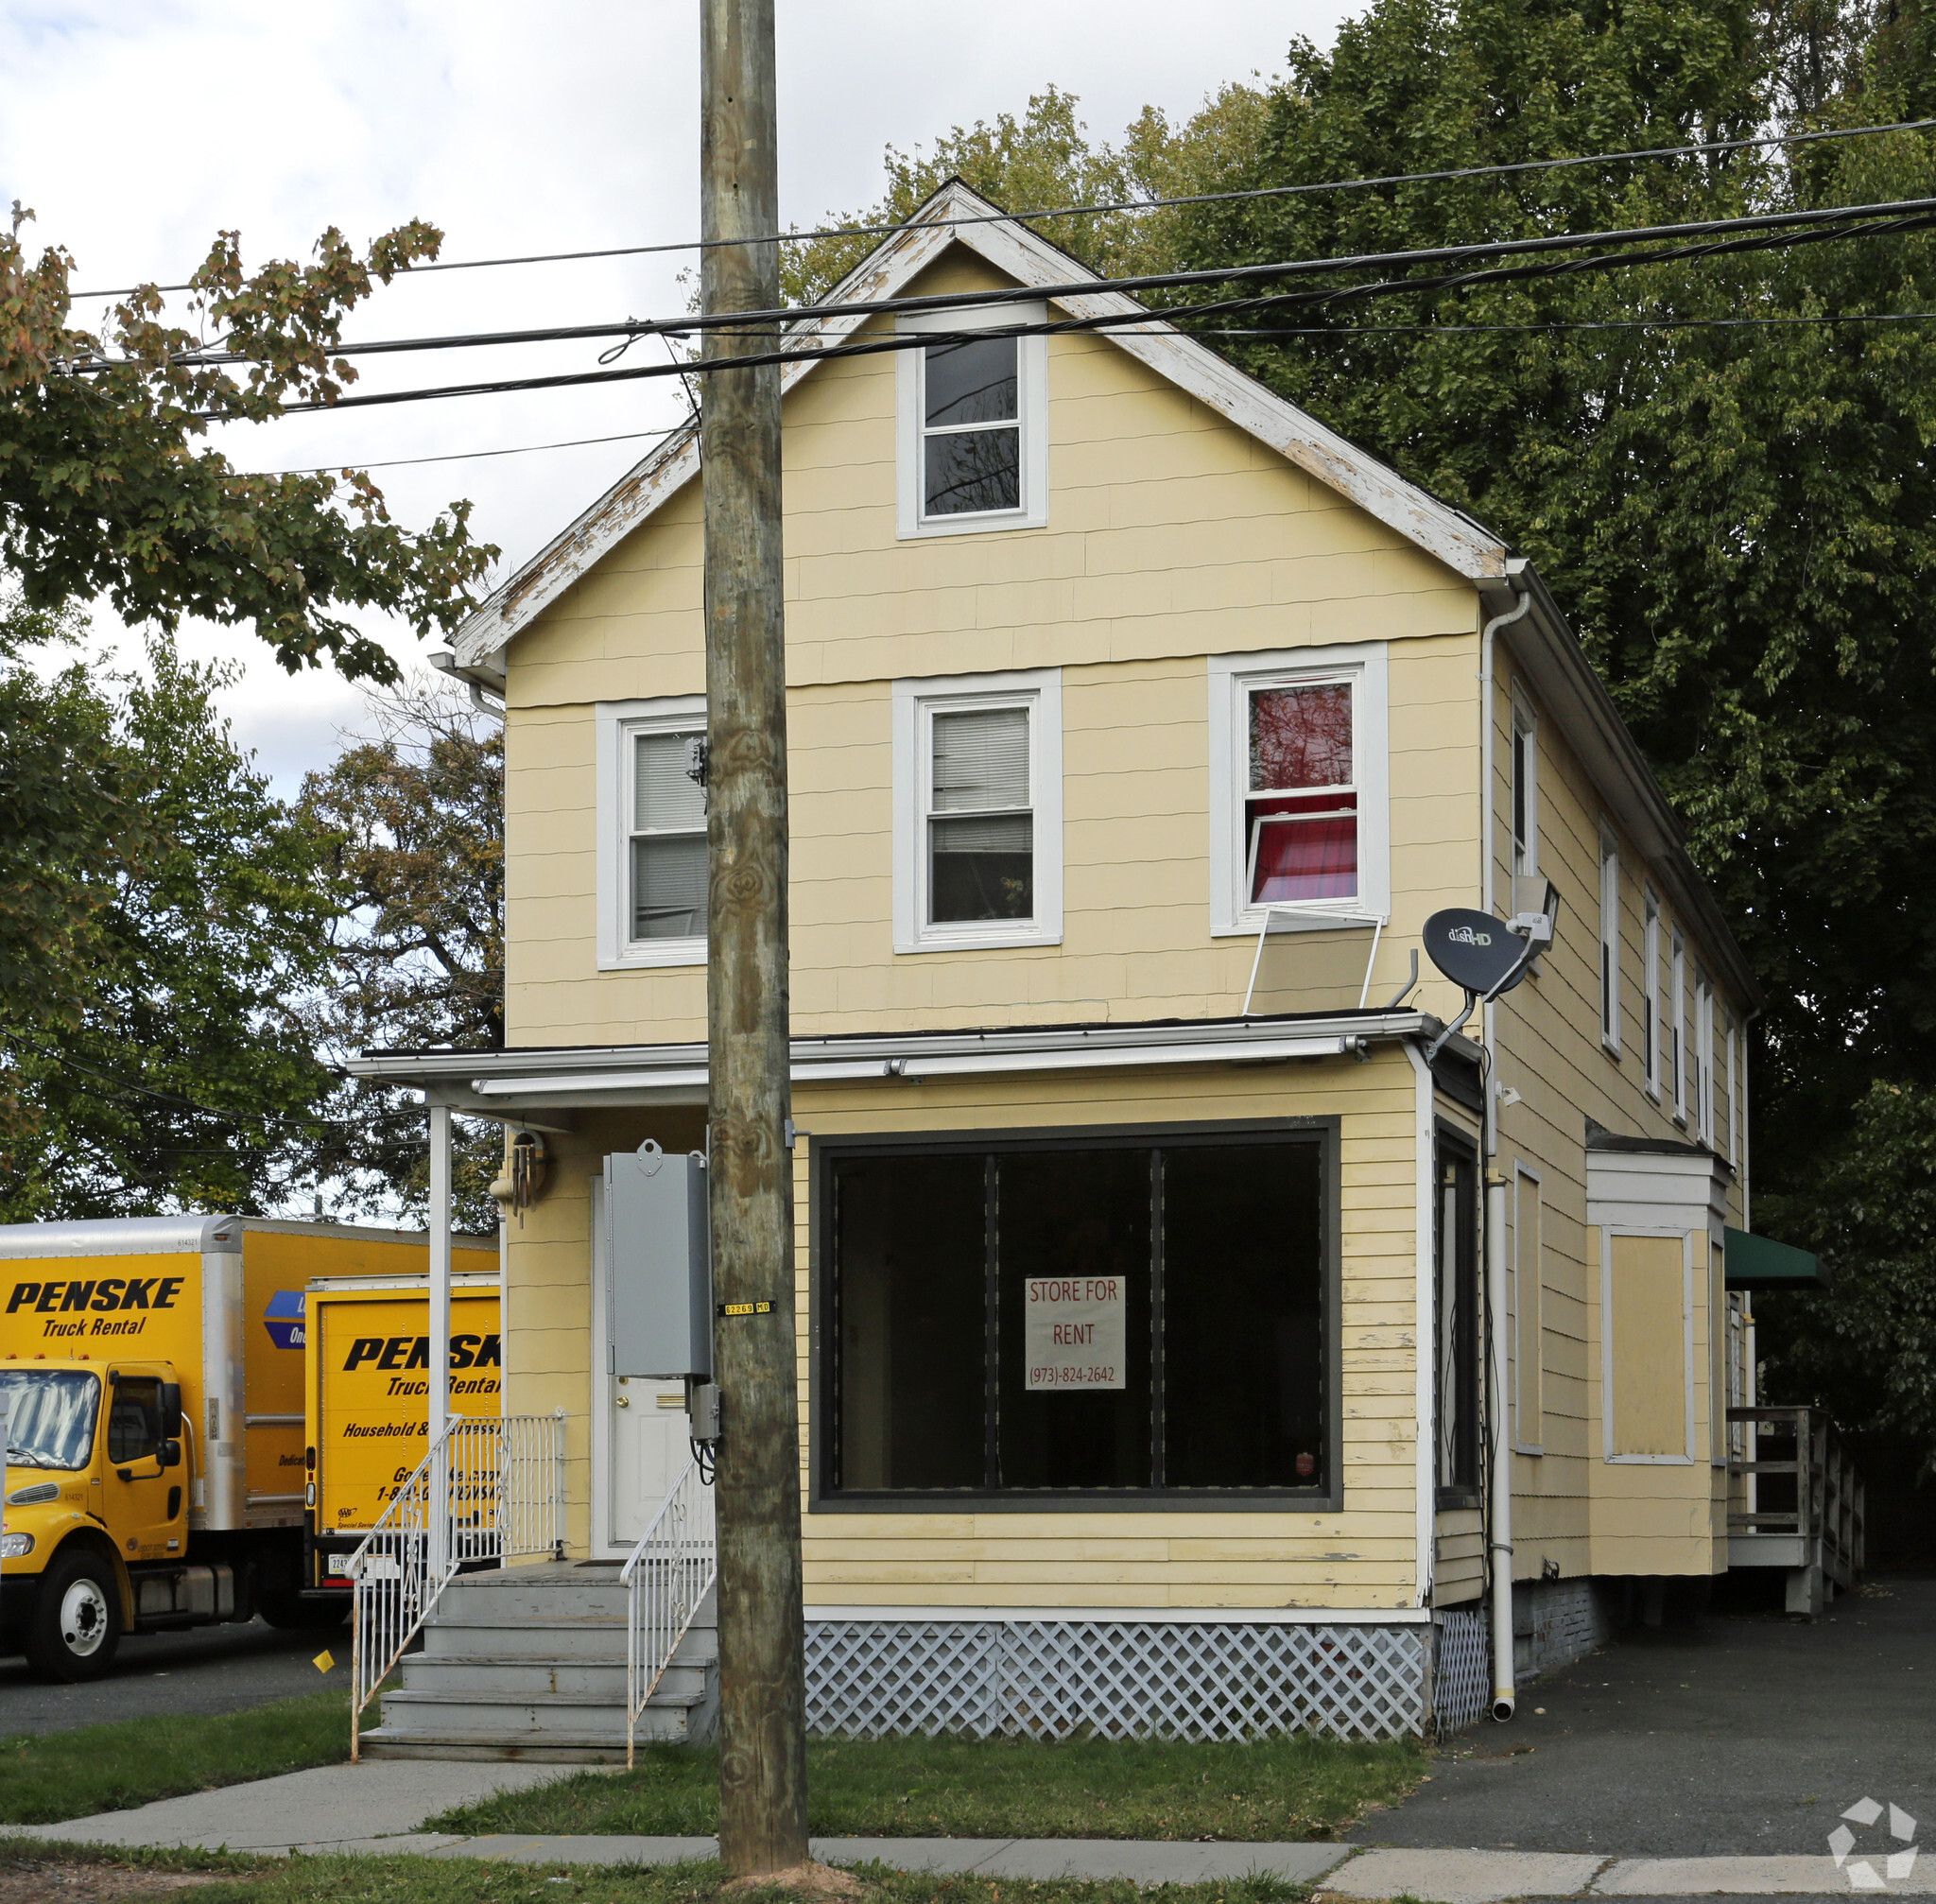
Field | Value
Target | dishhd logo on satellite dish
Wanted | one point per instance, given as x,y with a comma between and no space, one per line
1896,1865
285,1319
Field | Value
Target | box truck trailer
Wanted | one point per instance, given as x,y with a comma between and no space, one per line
155,1438
366,1367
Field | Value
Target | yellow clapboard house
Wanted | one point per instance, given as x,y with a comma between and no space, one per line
1138,723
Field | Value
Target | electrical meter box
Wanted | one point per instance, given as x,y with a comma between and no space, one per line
658,1249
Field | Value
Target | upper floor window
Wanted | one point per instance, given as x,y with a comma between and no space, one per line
1703,1058
1609,940
1677,1024
1298,762
1525,810
1650,954
977,811
652,833
974,448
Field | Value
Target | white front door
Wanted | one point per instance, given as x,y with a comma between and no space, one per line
639,1436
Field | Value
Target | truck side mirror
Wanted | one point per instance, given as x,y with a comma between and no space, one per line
171,1453
171,1408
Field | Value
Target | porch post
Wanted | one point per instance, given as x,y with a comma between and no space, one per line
436,1376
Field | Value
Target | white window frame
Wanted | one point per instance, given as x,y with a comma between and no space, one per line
1651,956
1231,678
1031,418
1704,1057
615,724
1528,1318
1734,1100
1610,940
1522,852
915,703
1677,1027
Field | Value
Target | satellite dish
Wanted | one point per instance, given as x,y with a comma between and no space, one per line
1476,951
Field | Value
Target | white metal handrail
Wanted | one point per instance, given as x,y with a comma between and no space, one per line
668,1578
486,1491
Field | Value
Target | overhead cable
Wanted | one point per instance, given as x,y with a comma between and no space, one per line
1705,150
1922,220
794,319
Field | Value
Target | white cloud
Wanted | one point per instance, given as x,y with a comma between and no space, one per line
137,133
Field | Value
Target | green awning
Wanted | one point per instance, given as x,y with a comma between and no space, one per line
1760,1263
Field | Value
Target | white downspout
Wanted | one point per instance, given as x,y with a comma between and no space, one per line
1499,1480
1426,1478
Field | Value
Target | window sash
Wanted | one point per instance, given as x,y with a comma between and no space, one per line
1280,824
1523,817
668,847
1610,942
1004,431
1650,952
1677,1025
989,834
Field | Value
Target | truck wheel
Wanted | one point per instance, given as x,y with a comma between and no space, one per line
291,1613
76,1620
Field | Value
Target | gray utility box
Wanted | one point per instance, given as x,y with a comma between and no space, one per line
658,1247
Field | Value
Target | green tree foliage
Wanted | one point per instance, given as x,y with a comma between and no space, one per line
108,490
162,907
1046,159
413,815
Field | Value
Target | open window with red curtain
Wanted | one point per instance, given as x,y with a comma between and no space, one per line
1301,817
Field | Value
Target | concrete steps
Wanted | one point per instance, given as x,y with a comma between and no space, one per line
529,1664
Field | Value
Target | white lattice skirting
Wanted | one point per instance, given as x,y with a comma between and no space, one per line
1464,1673
873,1679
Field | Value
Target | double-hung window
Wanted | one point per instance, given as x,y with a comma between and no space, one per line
1650,954
1298,757
652,860
1677,1026
1609,940
973,449
977,811
1523,815
1703,1058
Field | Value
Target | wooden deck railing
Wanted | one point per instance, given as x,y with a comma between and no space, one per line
1798,1488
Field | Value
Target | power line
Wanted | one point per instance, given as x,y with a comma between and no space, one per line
1709,149
1336,331
1923,220
793,322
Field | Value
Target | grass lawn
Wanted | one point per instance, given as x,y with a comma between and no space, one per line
1278,1789
50,1775
64,1871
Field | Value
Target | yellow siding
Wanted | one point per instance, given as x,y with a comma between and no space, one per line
1362,1556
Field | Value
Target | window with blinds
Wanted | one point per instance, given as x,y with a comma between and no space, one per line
667,898
981,819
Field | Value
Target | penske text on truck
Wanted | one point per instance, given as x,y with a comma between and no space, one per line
368,1395
156,1439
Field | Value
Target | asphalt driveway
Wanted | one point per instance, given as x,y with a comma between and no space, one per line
1743,1734
208,1669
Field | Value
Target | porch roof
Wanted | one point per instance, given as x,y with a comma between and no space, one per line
539,1085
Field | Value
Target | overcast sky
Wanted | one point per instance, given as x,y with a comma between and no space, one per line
136,132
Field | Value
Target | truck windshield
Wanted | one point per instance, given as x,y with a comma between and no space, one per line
50,1416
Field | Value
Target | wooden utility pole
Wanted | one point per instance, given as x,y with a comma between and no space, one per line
762,1642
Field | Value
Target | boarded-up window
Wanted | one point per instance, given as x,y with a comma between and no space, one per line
1647,1373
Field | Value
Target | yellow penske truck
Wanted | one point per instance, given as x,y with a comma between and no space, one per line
152,1376
368,1386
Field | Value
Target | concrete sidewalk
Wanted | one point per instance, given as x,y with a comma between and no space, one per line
379,1809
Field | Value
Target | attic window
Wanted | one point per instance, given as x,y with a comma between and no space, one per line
973,424
971,459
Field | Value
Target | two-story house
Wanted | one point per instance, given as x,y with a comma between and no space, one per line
1103,660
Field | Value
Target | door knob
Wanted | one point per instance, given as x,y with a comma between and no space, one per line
625,1401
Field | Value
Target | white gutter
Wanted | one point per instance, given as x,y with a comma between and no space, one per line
965,1064
1499,1480
1424,1354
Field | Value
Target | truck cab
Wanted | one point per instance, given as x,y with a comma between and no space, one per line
96,1512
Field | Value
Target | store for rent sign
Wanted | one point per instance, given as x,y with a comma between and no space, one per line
1074,1332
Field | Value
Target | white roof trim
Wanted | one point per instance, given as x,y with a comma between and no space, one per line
1466,547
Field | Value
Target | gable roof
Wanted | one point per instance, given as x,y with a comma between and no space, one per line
1464,545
